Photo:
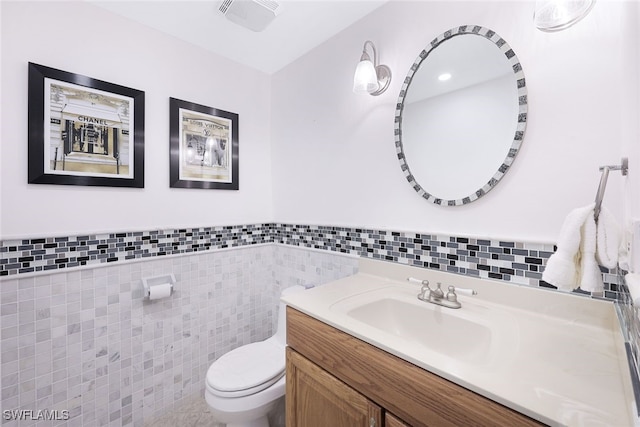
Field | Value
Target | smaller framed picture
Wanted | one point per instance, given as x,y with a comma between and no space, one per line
84,131
204,146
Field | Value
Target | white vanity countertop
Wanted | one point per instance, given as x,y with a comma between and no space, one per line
558,358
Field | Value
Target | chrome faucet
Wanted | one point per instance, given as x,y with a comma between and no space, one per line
437,296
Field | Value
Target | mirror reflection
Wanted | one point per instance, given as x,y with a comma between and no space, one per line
462,115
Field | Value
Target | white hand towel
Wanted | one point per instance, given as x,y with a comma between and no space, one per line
633,283
564,267
608,242
590,277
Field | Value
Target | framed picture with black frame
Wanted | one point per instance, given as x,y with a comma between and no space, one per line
203,146
84,131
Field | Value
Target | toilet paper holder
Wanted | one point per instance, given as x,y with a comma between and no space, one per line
149,282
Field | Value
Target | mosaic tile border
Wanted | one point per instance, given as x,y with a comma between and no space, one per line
510,261
55,253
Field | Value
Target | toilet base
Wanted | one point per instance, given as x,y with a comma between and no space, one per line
249,411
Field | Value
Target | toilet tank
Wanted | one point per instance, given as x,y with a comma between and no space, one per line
281,331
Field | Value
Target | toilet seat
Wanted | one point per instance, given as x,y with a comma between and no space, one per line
247,369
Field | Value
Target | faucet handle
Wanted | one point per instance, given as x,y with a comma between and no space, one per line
452,296
418,281
425,291
466,291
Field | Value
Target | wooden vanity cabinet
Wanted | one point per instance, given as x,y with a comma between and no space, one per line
335,379
391,421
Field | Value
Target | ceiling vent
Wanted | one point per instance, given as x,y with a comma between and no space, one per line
252,14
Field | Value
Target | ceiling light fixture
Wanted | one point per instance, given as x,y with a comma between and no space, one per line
444,77
370,77
558,15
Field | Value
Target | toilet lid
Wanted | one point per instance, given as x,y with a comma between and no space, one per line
247,369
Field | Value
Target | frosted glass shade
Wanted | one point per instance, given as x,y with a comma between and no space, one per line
365,80
556,15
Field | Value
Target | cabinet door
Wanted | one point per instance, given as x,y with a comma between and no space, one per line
392,421
317,399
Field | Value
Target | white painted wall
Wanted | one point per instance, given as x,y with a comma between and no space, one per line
333,152
84,39
632,144
631,113
330,153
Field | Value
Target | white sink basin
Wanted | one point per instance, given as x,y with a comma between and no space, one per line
444,332
472,333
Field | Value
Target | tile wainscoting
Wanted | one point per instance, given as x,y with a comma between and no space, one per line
87,342
77,335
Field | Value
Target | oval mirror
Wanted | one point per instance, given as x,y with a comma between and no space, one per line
461,115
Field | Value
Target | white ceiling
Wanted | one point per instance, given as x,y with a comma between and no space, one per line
300,26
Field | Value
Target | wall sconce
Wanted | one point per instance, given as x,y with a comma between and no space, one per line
370,77
557,15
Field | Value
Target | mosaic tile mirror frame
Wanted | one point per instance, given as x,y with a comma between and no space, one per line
444,167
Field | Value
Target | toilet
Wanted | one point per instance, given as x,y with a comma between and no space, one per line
245,384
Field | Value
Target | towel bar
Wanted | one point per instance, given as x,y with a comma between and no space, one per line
623,167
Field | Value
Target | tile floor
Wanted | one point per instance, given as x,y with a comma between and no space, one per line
194,412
